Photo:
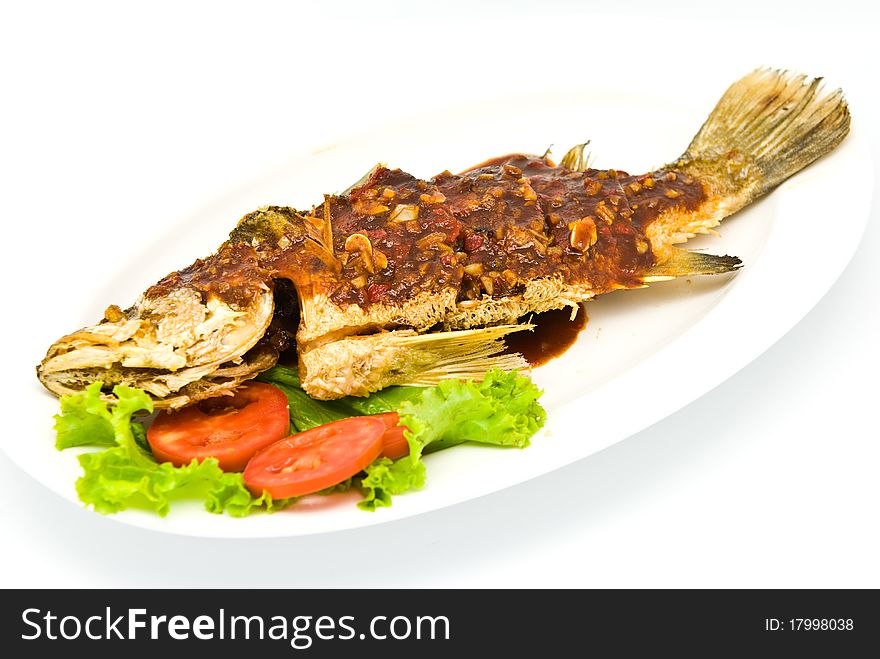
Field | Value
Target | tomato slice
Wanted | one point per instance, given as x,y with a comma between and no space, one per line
394,445
315,459
229,428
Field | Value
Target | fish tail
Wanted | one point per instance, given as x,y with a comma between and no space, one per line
767,127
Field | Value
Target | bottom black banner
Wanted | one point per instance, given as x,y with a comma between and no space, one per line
315,623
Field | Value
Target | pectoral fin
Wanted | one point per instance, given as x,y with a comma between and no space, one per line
359,365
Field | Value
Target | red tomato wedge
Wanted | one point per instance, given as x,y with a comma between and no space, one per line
229,428
316,459
394,445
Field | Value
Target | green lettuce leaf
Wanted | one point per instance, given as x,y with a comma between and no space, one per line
227,493
127,475
87,420
387,400
502,410
385,477
344,486
306,412
113,482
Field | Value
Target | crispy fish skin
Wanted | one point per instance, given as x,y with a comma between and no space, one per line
376,268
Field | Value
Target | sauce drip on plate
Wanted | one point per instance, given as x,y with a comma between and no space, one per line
554,333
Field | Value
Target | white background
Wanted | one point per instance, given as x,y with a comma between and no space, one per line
112,116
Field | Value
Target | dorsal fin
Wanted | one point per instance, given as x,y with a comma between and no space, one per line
575,160
363,179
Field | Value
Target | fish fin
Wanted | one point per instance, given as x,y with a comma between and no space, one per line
319,231
360,365
767,126
683,263
466,353
575,160
363,179
327,228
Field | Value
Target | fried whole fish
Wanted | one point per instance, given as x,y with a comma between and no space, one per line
406,281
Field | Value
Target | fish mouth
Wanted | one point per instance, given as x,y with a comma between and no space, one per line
180,347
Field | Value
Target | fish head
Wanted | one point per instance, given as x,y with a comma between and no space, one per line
200,331
193,335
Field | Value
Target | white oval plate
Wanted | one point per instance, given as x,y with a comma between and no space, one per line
644,354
